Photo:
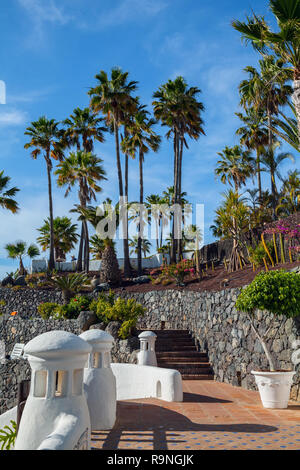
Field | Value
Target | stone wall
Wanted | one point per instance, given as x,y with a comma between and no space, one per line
17,330
222,332
25,300
211,317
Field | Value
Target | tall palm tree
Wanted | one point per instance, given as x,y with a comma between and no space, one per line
254,136
7,195
177,107
65,236
47,138
267,89
142,139
112,97
83,127
285,42
86,171
19,250
235,166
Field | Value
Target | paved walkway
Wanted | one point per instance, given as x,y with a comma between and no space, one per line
211,416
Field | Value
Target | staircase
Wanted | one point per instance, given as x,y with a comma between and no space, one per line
175,349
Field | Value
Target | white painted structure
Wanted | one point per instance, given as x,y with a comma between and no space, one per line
146,356
99,381
56,415
135,381
40,265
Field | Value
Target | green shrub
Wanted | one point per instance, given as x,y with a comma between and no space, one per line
258,253
2,304
8,436
127,312
80,303
48,309
276,291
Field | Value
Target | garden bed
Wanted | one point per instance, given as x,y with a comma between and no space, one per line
216,280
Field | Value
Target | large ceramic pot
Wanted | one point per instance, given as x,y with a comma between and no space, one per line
274,387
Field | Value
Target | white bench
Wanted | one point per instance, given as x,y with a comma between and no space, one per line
18,352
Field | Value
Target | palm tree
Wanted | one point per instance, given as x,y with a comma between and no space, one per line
113,98
271,163
65,236
177,107
232,220
19,250
142,138
135,245
254,136
154,204
109,271
286,128
86,171
46,138
266,89
289,201
7,200
83,127
235,166
285,43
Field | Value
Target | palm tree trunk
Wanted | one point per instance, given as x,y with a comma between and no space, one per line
180,243
51,256
272,174
296,96
258,176
80,250
121,194
86,248
176,159
141,213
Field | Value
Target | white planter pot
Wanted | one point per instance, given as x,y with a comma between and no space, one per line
274,388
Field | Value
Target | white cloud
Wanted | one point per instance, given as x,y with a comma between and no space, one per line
125,11
45,11
13,117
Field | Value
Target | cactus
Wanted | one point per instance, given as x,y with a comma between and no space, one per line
267,250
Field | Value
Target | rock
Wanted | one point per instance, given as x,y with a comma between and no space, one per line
98,326
141,280
87,319
7,280
113,329
105,286
95,282
296,270
20,281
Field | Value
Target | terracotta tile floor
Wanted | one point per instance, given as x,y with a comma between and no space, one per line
211,416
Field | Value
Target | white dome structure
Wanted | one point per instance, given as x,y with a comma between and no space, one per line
99,380
56,414
146,356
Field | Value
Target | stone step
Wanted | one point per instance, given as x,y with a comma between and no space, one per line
197,376
187,367
182,359
179,354
175,348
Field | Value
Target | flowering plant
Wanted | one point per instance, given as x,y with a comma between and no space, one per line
179,271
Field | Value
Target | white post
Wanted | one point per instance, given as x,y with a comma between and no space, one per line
146,356
56,415
99,381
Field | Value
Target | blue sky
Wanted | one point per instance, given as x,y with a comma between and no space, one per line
51,51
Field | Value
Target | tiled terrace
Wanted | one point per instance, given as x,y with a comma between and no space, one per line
211,416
